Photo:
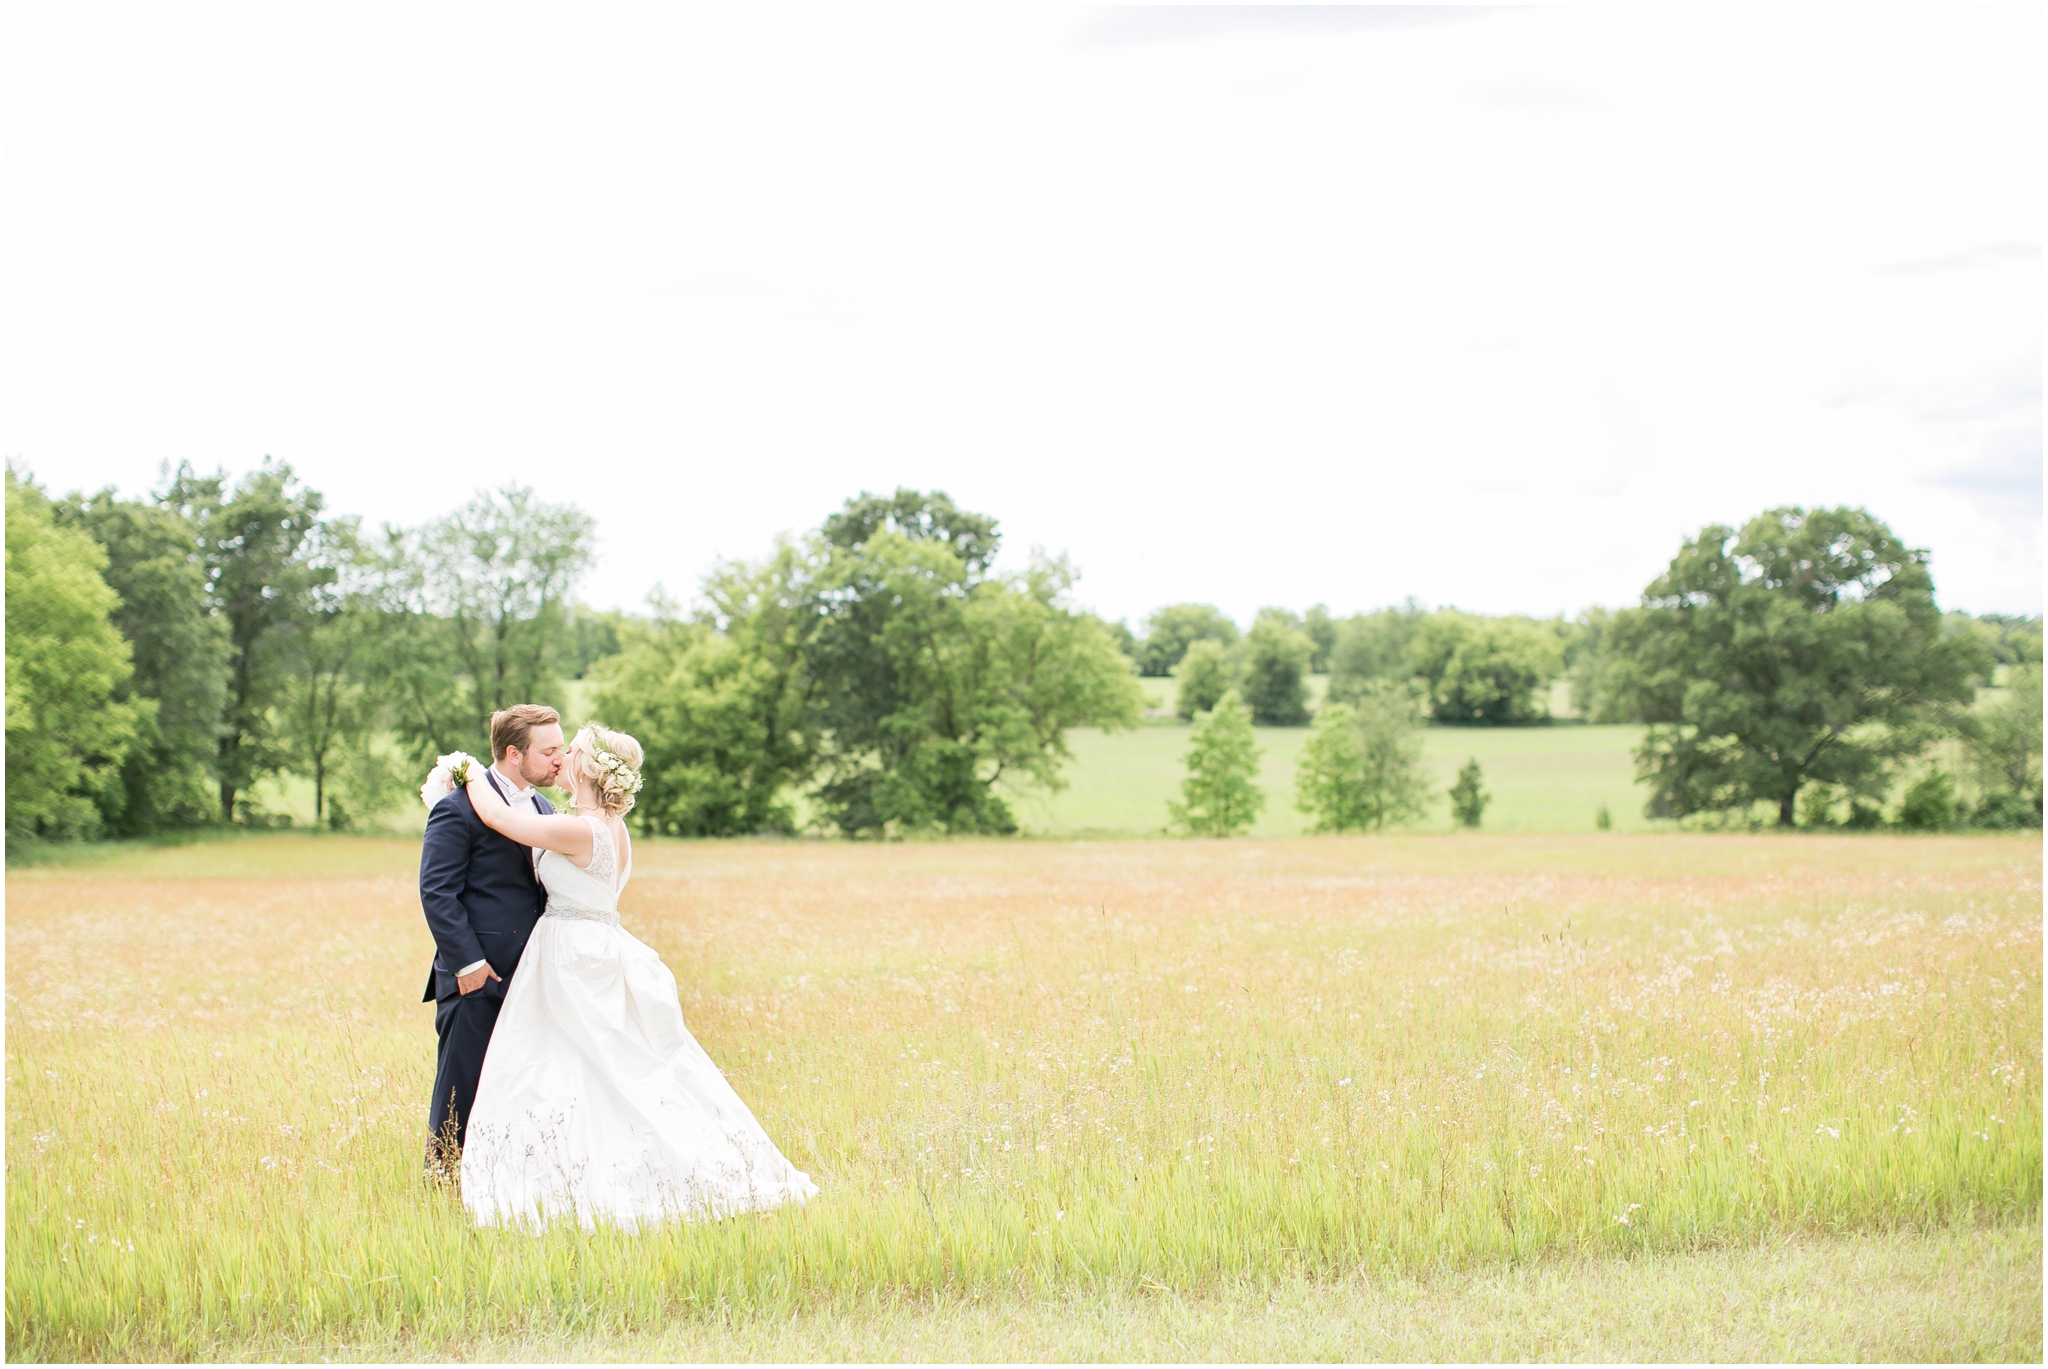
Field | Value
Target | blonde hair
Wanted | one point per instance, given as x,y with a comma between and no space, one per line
609,762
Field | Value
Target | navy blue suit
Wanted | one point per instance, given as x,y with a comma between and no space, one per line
482,901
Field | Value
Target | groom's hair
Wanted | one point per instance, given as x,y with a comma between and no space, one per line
510,727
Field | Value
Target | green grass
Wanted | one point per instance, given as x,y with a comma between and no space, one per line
1904,1296
1543,779
1045,1083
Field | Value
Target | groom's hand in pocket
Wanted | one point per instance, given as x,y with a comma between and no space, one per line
470,983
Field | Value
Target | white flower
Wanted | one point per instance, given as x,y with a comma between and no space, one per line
449,771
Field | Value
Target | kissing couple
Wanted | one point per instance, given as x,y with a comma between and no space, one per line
566,1083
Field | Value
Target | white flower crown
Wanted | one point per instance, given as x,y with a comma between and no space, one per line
613,764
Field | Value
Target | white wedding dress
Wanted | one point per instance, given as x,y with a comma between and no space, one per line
595,1101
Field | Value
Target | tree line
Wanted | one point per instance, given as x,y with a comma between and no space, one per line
169,654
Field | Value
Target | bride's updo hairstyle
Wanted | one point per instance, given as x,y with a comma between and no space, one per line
610,763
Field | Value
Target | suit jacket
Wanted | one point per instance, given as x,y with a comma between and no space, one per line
480,895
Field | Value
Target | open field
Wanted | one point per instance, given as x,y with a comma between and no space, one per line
1543,779
1185,1099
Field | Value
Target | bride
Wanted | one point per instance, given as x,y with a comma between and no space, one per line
595,1100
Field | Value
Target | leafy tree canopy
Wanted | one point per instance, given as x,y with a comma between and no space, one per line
1805,648
68,728
1170,631
1273,661
1361,768
155,563
1485,670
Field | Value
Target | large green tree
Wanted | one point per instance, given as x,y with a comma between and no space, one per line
1485,670
719,720
155,563
330,708
930,679
1805,648
68,727
1171,630
474,605
254,540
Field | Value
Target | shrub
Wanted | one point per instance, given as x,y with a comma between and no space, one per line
1468,800
1929,803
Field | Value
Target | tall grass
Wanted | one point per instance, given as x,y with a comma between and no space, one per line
1029,1068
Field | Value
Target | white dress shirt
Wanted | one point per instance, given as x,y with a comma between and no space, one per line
517,795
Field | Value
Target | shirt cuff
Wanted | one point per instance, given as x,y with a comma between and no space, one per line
471,969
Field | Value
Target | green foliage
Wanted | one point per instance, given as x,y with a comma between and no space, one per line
2003,744
1805,649
1468,800
588,637
1273,662
1485,670
254,540
475,605
330,708
972,538
1588,666
68,727
1172,630
180,648
1929,803
929,679
1205,674
1220,796
1371,646
1126,640
1322,635
717,722
1603,818
1361,769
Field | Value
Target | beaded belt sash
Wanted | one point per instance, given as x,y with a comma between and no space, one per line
569,912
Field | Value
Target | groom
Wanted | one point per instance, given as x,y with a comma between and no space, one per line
482,900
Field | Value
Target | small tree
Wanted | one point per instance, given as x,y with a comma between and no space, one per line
1468,800
1361,769
1273,663
1204,675
1220,796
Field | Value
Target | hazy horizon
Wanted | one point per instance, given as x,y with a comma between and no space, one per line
1490,307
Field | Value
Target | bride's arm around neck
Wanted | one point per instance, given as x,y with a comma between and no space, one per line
547,831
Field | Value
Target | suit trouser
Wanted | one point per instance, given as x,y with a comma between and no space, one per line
463,1022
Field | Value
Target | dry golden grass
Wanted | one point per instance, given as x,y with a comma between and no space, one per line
1029,1070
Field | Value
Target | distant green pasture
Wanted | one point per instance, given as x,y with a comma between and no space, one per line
1543,779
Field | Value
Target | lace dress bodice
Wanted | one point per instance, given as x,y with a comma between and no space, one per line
590,895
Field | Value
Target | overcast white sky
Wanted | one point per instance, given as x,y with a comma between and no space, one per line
1255,307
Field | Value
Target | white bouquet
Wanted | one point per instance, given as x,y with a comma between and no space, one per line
454,769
